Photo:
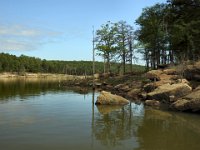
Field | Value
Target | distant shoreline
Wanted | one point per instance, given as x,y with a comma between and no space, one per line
14,75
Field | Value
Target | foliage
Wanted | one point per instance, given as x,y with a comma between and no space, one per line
170,32
124,40
105,43
22,64
114,43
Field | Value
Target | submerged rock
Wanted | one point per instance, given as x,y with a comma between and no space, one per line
106,98
106,109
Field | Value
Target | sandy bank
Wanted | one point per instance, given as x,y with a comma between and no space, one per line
8,75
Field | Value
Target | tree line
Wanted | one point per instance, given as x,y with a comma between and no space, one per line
167,33
23,64
170,32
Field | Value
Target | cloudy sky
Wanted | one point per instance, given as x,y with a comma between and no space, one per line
60,29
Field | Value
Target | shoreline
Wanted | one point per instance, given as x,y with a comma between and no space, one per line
155,88
14,75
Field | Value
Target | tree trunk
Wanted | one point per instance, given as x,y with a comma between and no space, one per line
124,62
131,56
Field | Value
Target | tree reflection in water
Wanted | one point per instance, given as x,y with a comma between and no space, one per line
139,128
22,87
113,125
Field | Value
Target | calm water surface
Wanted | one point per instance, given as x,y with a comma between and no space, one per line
41,115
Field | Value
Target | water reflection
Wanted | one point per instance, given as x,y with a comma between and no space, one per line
142,129
108,109
10,88
166,130
60,119
115,125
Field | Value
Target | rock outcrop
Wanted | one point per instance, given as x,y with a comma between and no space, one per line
106,98
163,92
190,102
169,87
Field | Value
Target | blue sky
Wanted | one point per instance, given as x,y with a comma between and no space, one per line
60,29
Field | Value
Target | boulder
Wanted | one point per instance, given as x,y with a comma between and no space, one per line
133,94
152,103
186,105
179,105
106,98
194,95
170,71
163,93
149,87
154,75
190,102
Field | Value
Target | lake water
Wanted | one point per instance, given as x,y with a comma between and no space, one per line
42,115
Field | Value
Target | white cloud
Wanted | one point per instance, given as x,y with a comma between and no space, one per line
18,37
14,44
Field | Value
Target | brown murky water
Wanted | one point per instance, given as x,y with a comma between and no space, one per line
41,115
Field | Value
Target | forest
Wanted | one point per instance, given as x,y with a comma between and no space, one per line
23,64
167,33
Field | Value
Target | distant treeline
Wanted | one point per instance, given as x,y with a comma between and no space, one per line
22,64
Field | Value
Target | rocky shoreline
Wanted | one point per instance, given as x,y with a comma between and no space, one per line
158,87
